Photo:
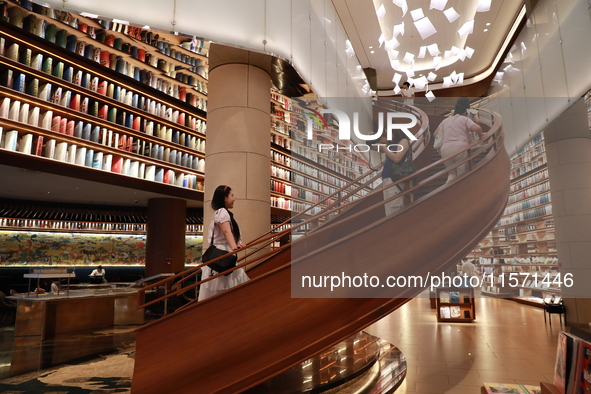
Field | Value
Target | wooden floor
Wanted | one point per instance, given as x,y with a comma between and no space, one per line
507,343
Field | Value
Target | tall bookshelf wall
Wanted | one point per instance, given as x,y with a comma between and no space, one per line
126,106
522,247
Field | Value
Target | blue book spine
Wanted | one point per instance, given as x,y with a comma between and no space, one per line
89,158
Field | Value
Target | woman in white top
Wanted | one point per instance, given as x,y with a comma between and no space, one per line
226,236
456,137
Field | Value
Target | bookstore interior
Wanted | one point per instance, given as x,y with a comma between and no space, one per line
103,132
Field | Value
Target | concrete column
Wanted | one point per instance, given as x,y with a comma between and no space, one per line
238,137
165,236
568,150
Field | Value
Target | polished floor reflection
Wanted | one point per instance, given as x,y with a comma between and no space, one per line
508,343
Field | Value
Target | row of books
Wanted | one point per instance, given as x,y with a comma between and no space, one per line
530,192
452,297
56,94
94,226
528,155
453,312
114,61
290,205
532,214
283,141
527,167
533,202
530,180
36,117
306,169
105,137
296,192
73,154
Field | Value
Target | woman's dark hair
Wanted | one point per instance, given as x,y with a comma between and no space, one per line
462,105
398,135
219,201
406,84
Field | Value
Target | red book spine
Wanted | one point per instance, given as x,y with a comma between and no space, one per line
105,59
117,165
182,93
136,123
181,119
122,142
70,127
75,102
103,111
102,88
63,125
55,123
129,145
39,146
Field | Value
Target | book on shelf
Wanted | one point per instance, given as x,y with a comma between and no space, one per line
445,312
560,373
532,389
455,312
444,296
454,297
582,378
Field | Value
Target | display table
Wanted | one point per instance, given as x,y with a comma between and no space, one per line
44,318
40,276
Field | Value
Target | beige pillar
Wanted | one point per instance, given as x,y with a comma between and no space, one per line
165,236
238,137
568,150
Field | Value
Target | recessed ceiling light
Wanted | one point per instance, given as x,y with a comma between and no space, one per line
488,24
371,46
371,51
485,30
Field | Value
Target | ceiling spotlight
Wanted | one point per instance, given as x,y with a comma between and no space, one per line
485,30
371,47
488,24
372,52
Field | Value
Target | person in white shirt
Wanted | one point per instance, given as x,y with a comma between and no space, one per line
408,94
99,271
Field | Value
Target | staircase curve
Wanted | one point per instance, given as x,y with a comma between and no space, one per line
243,336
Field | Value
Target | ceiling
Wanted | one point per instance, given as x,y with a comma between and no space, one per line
363,28
360,20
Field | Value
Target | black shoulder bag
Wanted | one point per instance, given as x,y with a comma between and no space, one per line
213,252
403,168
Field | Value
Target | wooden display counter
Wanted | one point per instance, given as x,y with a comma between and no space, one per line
41,320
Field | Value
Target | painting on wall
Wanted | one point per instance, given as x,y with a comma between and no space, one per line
80,249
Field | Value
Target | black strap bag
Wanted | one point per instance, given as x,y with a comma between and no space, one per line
213,252
403,168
